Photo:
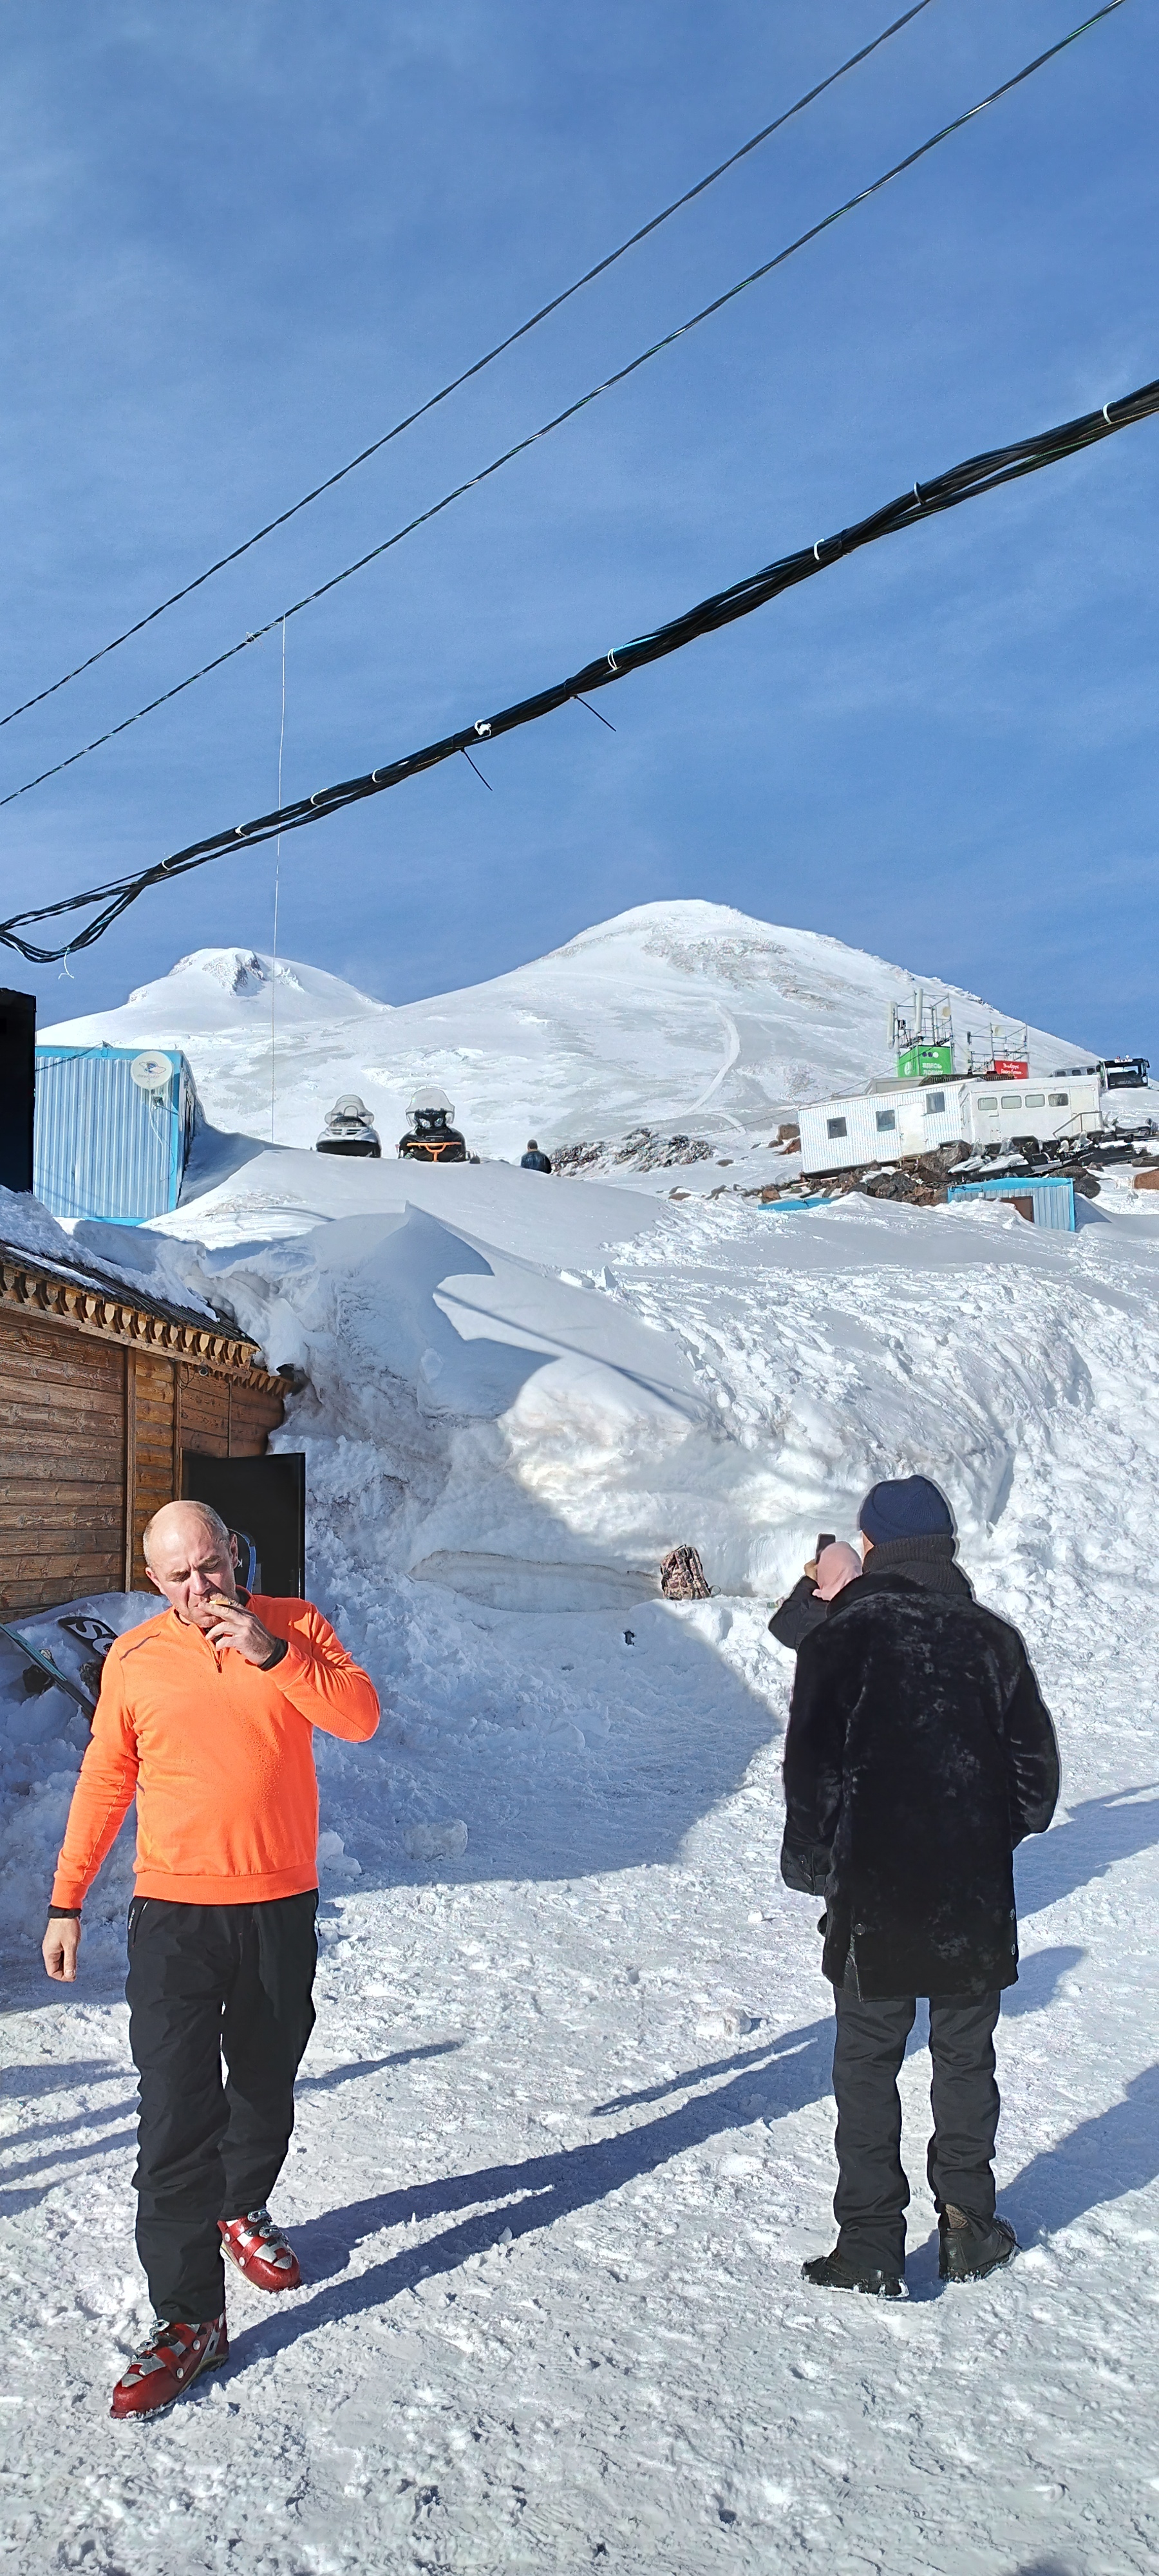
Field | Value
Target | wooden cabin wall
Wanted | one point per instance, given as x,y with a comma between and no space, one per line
203,1410
91,1442
152,1458
63,1421
253,1413
223,1417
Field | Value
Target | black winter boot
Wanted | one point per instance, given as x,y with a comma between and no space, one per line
835,2271
969,2248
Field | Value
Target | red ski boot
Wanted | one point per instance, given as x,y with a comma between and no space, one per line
260,2250
167,2363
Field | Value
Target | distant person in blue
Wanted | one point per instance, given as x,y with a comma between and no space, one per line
533,1160
918,1753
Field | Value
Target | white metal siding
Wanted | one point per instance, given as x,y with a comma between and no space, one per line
1079,1114
916,1128
919,1127
862,1141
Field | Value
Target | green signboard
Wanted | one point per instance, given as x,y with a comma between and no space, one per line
918,1061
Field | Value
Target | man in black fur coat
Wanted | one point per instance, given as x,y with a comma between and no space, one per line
918,1753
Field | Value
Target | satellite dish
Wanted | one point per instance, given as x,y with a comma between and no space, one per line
151,1072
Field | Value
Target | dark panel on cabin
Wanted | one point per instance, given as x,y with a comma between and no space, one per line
17,1087
263,1500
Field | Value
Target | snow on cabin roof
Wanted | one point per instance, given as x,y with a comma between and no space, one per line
127,1296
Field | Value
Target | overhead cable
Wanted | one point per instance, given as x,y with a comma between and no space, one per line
593,395
925,500
476,369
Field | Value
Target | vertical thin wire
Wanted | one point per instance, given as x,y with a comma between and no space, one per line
277,891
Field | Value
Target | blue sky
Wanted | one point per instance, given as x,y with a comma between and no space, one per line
239,240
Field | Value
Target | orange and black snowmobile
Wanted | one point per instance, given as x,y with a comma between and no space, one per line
430,1138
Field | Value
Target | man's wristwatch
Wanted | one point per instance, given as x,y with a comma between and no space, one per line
281,1648
64,1914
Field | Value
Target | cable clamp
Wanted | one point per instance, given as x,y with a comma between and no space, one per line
817,550
613,664
1107,416
918,494
483,728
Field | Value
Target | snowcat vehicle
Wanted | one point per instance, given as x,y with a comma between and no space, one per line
430,1138
1127,1072
349,1129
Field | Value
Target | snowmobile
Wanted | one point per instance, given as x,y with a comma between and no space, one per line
430,1138
349,1129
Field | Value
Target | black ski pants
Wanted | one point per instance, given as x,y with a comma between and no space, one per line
208,1980
872,2192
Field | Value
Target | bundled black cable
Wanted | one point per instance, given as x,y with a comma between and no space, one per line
571,411
964,482
489,356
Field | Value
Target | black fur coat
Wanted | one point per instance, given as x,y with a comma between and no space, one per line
918,1753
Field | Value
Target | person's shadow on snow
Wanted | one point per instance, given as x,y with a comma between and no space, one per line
1116,2152
1095,1836
1101,2160
782,2076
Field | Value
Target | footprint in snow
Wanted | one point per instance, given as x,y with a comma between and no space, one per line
729,2023
436,1842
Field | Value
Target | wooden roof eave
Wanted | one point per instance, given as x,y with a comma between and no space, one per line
111,1318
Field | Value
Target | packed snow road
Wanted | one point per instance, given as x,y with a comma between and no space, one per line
565,2128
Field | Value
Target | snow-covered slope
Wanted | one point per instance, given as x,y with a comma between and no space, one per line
673,1015
565,2128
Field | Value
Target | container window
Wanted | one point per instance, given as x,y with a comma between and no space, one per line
1036,1099
988,1106
1060,1099
836,1127
885,1121
1012,1100
935,1104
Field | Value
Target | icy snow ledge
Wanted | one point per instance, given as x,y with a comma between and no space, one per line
514,1583
366,1301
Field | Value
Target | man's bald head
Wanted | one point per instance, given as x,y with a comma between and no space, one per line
191,1558
175,1521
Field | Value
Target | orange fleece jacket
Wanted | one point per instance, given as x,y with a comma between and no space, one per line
220,1756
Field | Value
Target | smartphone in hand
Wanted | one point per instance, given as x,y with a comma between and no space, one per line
825,1539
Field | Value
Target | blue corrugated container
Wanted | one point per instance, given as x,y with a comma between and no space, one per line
788,1207
107,1144
1053,1199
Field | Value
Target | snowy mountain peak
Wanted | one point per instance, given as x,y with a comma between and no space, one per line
238,970
692,934
223,988
672,1015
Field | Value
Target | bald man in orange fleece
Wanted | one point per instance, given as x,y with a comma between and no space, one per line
206,1715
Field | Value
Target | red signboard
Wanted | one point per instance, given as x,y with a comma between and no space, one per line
1009,1068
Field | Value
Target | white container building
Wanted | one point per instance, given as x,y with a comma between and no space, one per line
901,1118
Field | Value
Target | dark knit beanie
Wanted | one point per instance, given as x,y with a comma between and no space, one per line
908,1507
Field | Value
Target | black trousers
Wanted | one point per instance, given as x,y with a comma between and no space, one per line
872,2192
208,1980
